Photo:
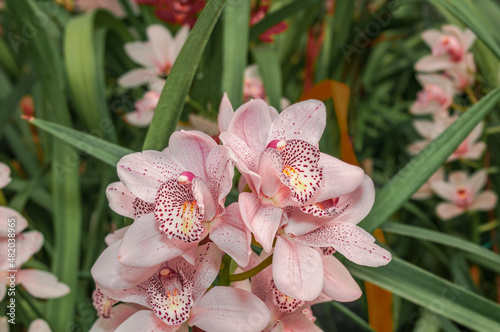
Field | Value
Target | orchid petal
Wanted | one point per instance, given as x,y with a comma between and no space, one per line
120,199
231,235
477,181
144,245
302,121
141,53
352,241
41,284
116,236
121,312
208,260
39,325
299,322
144,172
447,211
444,189
161,45
226,113
9,216
262,219
136,77
485,201
220,172
110,273
145,321
4,175
227,309
339,284
297,269
430,63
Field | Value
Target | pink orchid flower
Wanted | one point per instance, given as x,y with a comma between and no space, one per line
463,74
253,88
175,295
449,48
39,325
289,314
279,158
157,55
111,5
4,175
463,194
121,313
436,96
177,199
470,148
426,190
181,12
144,110
39,284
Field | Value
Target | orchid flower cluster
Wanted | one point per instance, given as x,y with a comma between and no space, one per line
450,71
40,284
296,205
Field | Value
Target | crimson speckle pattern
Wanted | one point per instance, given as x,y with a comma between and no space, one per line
178,212
103,304
328,207
283,302
142,207
327,251
171,297
301,172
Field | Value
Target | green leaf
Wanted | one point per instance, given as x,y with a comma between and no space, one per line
235,49
267,59
421,167
491,259
84,59
173,96
464,13
434,293
105,151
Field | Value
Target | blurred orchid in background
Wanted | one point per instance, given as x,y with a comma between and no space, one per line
181,12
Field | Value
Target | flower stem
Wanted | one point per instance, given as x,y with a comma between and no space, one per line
250,273
471,95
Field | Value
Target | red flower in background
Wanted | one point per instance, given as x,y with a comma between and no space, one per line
258,11
182,12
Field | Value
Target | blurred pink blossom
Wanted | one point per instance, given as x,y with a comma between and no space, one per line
4,175
449,48
463,193
157,55
435,97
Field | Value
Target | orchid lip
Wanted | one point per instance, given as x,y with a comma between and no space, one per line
277,144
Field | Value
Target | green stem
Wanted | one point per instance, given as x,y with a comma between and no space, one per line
224,275
493,130
250,273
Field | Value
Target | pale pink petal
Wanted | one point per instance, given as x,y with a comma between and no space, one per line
475,151
418,146
245,159
39,325
139,119
423,192
121,312
145,321
251,123
304,121
339,178
142,53
27,244
4,175
144,245
226,113
231,235
190,255
298,322
430,63
297,269
136,77
458,178
353,242
191,150
339,284
12,217
144,172
220,173
432,107
207,264
444,189
135,294
179,40
116,236
110,273
41,284
485,201
430,37
447,211
477,181
271,164
162,45
120,199
476,133
426,129
226,309
468,39
262,219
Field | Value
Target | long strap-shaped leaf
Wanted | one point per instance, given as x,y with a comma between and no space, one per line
173,96
489,258
103,150
65,178
436,294
420,168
